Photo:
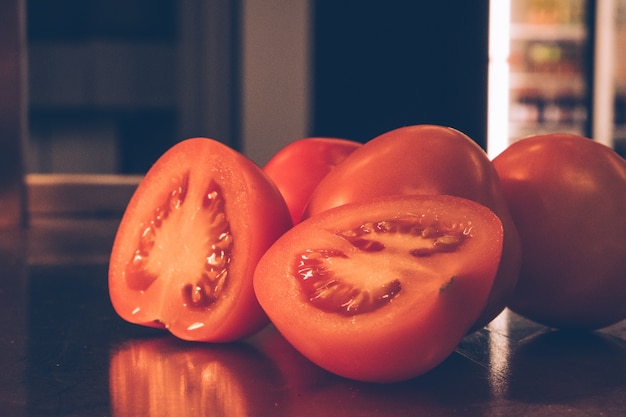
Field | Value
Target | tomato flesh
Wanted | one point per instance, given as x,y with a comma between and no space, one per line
162,245
186,248
332,294
326,289
382,290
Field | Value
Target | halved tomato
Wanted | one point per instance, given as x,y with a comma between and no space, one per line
188,243
297,168
426,159
382,290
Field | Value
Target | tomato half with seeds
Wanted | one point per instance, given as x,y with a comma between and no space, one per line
426,159
185,250
297,168
567,195
383,290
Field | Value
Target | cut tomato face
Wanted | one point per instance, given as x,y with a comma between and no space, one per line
382,290
426,159
186,247
297,168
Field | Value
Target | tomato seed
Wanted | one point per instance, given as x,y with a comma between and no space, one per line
137,277
448,242
422,252
147,239
367,245
198,296
430,232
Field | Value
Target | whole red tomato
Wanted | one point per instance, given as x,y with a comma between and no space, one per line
426,159
187,245
382,290
297,168
567,195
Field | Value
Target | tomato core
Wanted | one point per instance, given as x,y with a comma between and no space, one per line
160,245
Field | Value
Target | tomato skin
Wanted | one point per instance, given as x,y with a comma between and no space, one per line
567,195
255,213
426,159
297,168
440,297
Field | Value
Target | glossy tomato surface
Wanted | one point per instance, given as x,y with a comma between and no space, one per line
161,377
382,290
426,159
298,167
567,195
186,247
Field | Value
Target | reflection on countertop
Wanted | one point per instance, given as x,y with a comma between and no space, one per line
64,352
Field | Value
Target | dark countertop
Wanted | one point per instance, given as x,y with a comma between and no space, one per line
64,352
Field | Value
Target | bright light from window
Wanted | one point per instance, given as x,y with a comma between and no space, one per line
604,72
498,88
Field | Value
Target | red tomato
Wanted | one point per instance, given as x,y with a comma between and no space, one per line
186,247
426,159
567,195
298,167
382,290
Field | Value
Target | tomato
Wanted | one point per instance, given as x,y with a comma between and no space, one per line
426,159
298,167
185,250
567,195
382,290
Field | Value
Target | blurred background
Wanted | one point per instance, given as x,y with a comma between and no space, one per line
113,83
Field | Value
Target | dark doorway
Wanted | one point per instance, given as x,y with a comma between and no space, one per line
381,65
